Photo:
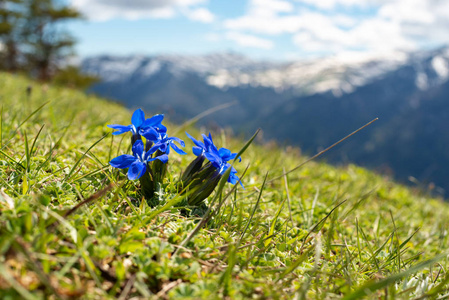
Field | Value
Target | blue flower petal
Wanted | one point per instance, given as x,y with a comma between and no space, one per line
161,128
216,160
163,158
234,179
138,148
159,146
147,156
123,161
207,141
136,170
177,149
150,133
121,128
196,142
197,151
175,139
153,121
225,153
209,144
138,118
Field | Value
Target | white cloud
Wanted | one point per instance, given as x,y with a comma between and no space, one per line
314,26
330,4
202,15
263,17
388,25
414,11
247,40
266,25
103,10
270,7
371,36
344,21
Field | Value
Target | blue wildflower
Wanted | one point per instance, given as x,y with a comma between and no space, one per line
162,142
139,124
218,157
222,165
200,148
137,163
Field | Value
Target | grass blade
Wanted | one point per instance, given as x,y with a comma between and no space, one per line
249,142
15,285
23,122
81,158
373,286
254,209
297,262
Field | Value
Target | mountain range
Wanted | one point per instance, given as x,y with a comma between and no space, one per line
306,103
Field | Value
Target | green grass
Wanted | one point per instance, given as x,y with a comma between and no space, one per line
318,233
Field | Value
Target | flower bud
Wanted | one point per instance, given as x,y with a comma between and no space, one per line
192,168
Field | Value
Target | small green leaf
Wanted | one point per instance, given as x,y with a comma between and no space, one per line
44,200
130,246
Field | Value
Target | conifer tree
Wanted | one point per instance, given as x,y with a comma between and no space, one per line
46,43
11,21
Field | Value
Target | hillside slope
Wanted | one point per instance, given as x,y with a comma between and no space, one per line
319,232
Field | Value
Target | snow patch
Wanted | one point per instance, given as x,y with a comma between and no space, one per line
422,81
441,67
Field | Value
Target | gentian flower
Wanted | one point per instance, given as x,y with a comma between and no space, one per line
139,124
218,158
162,142
201,179
200,148
222,165
137,163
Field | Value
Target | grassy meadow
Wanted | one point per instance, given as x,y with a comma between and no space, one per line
73,227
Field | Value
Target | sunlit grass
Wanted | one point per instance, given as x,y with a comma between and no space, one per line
317,233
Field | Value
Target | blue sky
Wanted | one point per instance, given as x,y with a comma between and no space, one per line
263,29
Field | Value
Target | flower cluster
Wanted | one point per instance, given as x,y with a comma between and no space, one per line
219,159
139,125
201,178
138,162
148,161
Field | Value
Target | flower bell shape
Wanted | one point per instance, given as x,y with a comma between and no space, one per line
201,179
218,157
138,162
197,163
139,124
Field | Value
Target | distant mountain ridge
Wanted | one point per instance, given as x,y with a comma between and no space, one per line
308,103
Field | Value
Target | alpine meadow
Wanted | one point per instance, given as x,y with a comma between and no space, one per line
71,226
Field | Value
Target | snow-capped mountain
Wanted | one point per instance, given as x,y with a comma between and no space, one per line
115,68
340,75
309,103
337,74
